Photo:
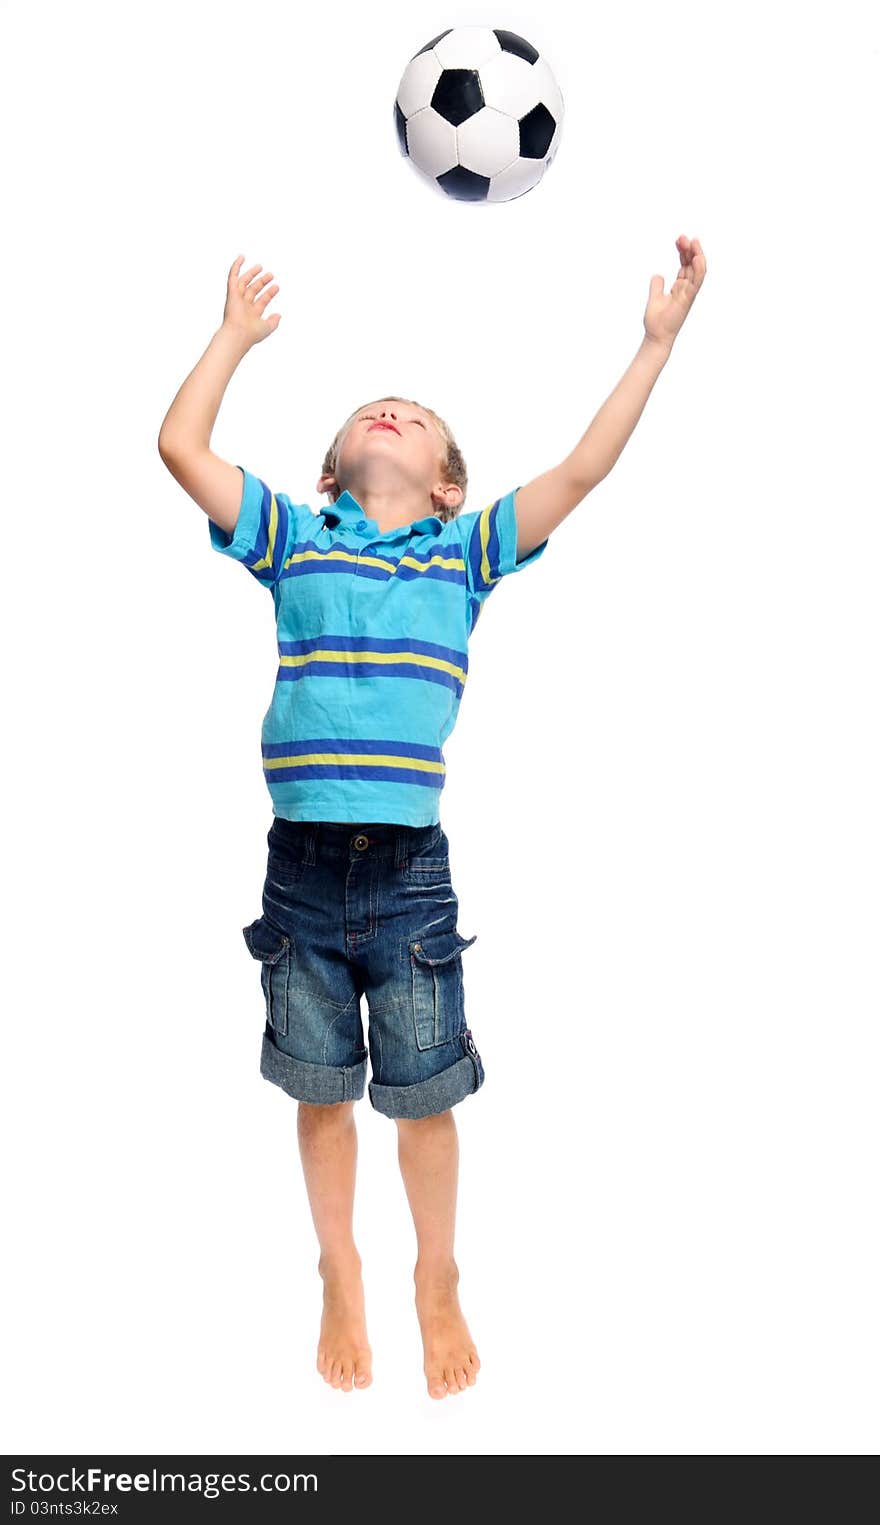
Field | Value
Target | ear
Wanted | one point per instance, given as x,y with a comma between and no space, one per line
328,483
449,495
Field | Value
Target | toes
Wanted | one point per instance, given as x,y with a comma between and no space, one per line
363,1376
461,1376
345,1372
436,1385
451,1378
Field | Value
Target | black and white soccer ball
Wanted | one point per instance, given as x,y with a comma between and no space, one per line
479,114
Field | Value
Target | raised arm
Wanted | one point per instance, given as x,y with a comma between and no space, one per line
545,502
185,435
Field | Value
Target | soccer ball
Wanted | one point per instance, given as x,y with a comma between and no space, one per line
479,114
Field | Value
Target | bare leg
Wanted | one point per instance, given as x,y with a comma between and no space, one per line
328,1148
427,1149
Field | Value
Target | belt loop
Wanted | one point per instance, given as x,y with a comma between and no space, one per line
400,847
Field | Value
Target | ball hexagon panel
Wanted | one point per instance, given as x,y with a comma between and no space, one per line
488,142
466,47
432,142
419,83
521,176
547,90
509,84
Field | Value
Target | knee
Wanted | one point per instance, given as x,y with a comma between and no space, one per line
314,1116
436,1122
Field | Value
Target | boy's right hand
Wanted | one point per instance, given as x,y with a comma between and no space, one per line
242,313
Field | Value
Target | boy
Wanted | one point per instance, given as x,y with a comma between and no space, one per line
375,598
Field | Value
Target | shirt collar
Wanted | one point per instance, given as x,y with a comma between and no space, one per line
348,512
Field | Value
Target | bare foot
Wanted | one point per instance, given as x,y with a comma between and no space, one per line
344,1356
451,1361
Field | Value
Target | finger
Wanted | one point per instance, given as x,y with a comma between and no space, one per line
267,295
234,265
696,262
248,274
255,286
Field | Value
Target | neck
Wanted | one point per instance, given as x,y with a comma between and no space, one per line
389,512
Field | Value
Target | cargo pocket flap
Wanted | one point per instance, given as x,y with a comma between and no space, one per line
439,947
264,941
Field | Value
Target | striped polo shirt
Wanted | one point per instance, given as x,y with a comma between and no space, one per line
373,634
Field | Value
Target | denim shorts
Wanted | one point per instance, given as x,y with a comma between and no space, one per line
363,909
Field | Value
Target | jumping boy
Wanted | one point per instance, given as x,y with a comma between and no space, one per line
375,599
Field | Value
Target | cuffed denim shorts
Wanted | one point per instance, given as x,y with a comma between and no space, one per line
363,909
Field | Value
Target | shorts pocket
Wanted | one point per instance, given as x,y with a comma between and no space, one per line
283,871
429,873
271,946
438,986
430,866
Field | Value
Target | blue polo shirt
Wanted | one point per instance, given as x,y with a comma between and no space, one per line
373,634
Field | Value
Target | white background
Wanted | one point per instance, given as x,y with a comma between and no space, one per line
663,788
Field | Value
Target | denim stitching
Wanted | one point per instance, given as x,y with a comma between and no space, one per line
330,1026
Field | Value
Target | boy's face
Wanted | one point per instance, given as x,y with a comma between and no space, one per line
392,447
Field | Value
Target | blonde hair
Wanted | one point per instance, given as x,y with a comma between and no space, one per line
452,466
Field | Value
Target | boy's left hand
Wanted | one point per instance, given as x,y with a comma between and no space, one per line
666,312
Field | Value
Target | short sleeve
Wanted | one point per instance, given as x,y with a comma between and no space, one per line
266,531
489,545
